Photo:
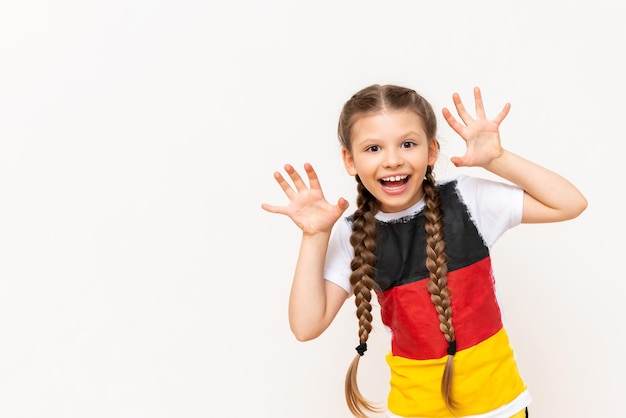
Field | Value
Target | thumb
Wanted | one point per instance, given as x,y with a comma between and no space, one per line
458,161
343,204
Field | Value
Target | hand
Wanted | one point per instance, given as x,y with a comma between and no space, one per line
482,137
307,207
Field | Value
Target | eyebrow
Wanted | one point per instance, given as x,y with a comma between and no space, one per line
404,135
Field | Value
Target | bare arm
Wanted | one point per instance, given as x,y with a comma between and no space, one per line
313,302
548,196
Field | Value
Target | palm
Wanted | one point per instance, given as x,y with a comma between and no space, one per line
481,135
307,208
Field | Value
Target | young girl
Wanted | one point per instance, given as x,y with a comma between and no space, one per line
423,247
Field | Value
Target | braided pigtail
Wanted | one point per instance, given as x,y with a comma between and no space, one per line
363,239
437,286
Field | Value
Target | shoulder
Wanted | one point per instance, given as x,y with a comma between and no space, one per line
493,206
470,187
339,255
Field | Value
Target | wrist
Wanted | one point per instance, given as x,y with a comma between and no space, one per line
316,236
498,160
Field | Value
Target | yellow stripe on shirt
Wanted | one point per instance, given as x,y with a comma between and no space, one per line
485,378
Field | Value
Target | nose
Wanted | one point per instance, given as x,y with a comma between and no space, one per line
392,159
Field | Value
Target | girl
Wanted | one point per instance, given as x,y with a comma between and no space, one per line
423,247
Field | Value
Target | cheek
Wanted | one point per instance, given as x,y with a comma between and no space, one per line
367,166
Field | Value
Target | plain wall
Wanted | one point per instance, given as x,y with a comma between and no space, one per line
139,276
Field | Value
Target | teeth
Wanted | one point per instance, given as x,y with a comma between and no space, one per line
394,178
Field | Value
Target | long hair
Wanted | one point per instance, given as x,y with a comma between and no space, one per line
370,100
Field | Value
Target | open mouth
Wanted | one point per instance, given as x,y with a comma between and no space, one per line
394,182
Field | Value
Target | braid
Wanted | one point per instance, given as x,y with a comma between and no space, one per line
437,286
363,239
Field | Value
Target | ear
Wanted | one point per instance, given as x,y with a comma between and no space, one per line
433,151
348,161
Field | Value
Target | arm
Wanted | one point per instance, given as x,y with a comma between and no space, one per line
548,196
313,302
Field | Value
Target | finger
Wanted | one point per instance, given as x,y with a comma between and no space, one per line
458,161
460,109
340,207
342,204
295,177
480,107
451,120
273,208
505,111
312,175
284,185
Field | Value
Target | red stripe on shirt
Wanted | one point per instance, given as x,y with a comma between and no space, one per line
410,314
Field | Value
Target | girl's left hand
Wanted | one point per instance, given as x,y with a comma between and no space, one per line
481,135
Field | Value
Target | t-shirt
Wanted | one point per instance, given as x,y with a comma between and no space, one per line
486,382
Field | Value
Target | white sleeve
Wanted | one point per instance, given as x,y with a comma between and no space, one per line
339,256
494,207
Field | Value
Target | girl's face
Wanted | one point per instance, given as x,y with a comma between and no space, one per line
390,153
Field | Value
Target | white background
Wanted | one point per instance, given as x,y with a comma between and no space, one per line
139,276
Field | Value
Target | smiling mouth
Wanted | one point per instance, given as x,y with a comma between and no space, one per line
394,181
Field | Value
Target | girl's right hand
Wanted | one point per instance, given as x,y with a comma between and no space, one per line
307,207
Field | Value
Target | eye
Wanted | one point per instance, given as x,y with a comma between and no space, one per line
372,148
408,144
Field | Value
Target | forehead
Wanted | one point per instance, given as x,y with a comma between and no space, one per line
387,124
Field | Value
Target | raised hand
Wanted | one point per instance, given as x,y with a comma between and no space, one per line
307,208
481,135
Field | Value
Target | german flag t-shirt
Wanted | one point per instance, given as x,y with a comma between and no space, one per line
486,381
